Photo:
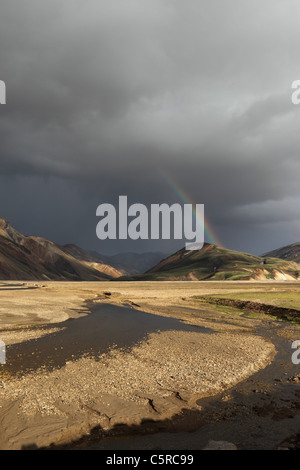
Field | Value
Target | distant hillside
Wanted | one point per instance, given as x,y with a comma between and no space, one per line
134,263
115,265
95,261
35,258
216,263
288,253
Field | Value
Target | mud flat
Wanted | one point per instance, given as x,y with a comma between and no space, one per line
61,386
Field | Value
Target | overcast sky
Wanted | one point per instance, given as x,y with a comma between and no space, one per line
151,99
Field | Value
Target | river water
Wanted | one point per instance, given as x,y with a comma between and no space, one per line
108,326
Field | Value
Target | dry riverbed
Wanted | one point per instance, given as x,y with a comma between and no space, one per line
160,376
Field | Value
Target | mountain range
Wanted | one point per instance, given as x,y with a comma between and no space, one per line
115,265
35,258
133,263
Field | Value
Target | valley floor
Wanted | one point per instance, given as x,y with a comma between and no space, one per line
218,372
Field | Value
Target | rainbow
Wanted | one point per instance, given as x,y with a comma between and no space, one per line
210,235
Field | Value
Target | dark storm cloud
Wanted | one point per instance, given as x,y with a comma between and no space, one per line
104,97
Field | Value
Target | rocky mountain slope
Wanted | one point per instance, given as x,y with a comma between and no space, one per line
288,253
35,258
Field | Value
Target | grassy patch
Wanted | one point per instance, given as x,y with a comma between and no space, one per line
257,305
284,299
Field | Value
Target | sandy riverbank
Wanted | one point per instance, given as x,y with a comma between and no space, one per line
156,379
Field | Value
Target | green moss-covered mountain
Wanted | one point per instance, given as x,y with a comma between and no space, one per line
218,264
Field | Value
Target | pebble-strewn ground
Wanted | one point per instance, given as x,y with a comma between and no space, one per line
154,380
